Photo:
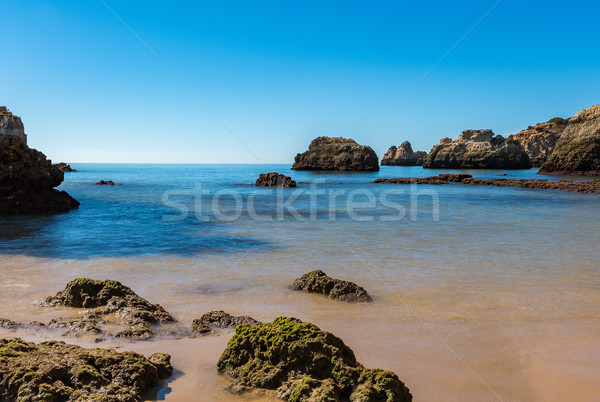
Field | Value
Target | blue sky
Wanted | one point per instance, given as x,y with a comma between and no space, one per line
280,73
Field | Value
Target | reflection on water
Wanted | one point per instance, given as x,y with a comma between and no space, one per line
499,296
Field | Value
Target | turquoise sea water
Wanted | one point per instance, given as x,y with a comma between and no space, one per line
478,291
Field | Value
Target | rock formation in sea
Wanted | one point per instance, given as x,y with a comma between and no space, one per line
219,319
403,156
337,153
300,362
274,179
578,149
539,140
56,371
105,183
318,282
63,167
11,125
477,149
27,181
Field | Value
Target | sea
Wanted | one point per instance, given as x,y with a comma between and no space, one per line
479,293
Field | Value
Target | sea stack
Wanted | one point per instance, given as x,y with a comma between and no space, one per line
577,151
403,156
337,153
477,149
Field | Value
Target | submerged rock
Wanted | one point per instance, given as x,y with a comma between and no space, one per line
274,179
439,179
318,282
578,149
303,363
76,326
403,156
8,324
477,149
219,319
337,153
63,167
105,183
117,299
27,181
539,141
55,371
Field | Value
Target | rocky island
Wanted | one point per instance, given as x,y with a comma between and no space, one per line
403,156
477,149
337,153
578,149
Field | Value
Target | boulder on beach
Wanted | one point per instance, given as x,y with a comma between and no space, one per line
539,140
303,363
577,152
337,153
27,181
56,371
63,167
219,319
477,149
318,282
274,179
403,156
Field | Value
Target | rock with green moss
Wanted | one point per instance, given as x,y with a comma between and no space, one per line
318,282
219,319
55,371
8,324
303,363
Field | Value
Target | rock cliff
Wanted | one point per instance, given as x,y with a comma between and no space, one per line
403,156
27,180
578,149
337,153
11,124
477,149
539,140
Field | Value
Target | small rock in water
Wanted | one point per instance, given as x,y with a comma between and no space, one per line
318,282
274,179
105,183
219,319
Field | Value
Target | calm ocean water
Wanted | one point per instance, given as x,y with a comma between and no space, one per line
478,290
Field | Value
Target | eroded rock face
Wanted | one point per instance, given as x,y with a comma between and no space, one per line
318,282
578,149
274,179
27,181
337,153
403,156
219,319
11,125
539,141
303,363
55,371
477,149
63,167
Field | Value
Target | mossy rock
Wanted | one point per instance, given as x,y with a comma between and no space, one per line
219,319
303,363
56,371
318,282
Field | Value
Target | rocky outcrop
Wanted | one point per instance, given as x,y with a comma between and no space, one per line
136,312
318,282
274,179
303,363
11,125
578,149
403,156
477,149
590,186
27,181
105,183
63,167
56,371
337,153
219,319
539,140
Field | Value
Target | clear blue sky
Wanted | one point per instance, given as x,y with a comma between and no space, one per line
280,73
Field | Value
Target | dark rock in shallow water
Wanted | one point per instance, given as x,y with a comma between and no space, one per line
477,149
27,181
63,167
9,324
578,149
337,153
318,282
274,179
439,179
219,319
403,156
303,363
76,326
105,183
55,371
117,299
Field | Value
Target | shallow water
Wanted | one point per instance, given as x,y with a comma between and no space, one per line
493,294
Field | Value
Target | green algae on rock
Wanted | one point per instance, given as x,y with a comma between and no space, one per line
303,363
318,282
219,319
56,371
